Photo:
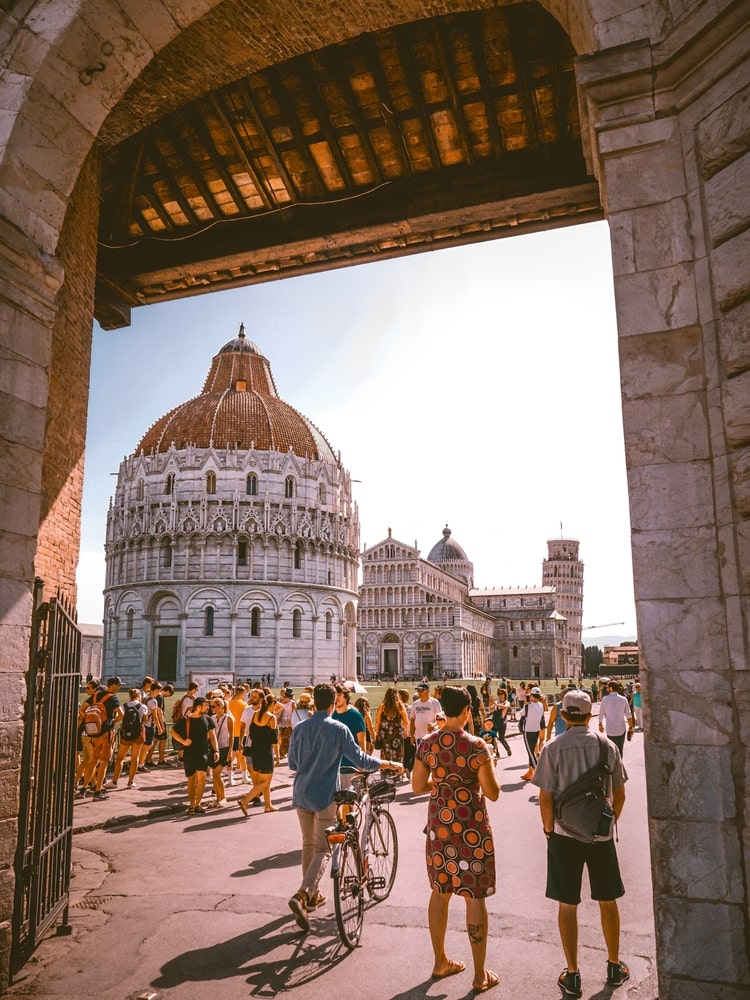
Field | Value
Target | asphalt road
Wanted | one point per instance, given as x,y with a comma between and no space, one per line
170,906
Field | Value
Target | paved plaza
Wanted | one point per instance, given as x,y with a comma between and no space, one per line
170,906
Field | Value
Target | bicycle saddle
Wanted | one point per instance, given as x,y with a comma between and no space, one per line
346,795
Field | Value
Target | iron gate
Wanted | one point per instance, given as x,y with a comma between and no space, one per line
45,828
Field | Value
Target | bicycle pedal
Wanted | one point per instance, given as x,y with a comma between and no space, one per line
376,882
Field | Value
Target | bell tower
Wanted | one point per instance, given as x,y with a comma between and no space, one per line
563,570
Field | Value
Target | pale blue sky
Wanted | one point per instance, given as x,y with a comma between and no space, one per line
475,386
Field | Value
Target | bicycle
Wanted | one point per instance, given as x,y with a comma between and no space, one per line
362,819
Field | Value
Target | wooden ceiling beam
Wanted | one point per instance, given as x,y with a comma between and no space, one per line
448,66
389,117
476,41
168,177
292,122
259,182
251,109
205,138
360,123
408,62
313,89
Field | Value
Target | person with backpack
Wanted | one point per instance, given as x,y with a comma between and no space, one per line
577,757
99,713
132,736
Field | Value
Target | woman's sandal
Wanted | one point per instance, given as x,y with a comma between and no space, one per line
490,980
242,803
453,969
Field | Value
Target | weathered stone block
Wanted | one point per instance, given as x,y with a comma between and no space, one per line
701,705
690,783
736,405
17,551
698,861
662,364
692,630
10,785
724,134
679,563
734,339
12,695
730,271
727,213
743,553
666,429
655,301
670,497
7,887
702,941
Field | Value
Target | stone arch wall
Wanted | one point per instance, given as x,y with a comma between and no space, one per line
664,94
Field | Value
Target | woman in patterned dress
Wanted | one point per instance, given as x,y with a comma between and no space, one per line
456,769
391,725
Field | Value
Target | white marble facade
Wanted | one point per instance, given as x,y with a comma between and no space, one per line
238,559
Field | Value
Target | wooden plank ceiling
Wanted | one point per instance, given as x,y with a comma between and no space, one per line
429,134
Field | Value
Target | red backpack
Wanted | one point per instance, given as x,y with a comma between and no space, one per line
95,716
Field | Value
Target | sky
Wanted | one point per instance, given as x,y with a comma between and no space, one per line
476,387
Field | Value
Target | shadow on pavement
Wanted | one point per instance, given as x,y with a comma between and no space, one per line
246,956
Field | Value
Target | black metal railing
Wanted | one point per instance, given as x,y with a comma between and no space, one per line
45,830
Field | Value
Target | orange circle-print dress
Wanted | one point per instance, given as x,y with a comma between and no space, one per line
460,851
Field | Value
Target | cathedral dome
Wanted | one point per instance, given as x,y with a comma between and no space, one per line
240,408
448,555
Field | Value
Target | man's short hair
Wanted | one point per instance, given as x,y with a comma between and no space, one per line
454,700
324,695
343,689
114,680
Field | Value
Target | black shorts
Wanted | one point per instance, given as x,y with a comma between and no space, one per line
565,860
194,762
150,732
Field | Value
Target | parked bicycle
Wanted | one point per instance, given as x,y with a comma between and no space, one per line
364,847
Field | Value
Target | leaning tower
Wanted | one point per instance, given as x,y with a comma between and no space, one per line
563,570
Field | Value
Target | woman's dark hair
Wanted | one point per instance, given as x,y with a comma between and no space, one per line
265,705
390,707
363,706
476,704
454,700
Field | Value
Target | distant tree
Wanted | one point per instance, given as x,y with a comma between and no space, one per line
629,642
592,658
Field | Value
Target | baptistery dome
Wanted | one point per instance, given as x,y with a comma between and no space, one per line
448,555
239,407
232,540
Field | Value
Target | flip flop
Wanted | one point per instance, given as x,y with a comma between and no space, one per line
453,970
243,805
490,980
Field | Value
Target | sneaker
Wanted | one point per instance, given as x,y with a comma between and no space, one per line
200,810
617,973
81,793
191,811
132,784
298,906
99,795
570,984
315,901
219,804
112,784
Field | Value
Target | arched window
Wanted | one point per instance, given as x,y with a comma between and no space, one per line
129,623
298,555
296,623
251,485
255,622
242,552
329,625
208,621
169,486
515,652
289,487
322,492
210,482
166,550
139,490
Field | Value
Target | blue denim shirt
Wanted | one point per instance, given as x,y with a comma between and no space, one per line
315,751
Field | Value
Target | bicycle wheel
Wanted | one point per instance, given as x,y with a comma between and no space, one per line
348,894
382,850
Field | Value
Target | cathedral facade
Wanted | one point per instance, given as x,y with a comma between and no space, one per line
423,617
232,540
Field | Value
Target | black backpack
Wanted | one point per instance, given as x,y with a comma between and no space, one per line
131,724
583,809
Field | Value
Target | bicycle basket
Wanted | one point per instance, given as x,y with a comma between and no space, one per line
382,791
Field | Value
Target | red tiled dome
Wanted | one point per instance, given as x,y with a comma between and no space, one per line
238,408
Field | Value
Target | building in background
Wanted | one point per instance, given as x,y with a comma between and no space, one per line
92,639
424,616
415,618
232,540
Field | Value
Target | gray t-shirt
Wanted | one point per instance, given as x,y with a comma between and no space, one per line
568,756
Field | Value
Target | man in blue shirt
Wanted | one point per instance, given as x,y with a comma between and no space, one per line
352,719
315,752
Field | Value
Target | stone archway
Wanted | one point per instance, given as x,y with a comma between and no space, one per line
664,97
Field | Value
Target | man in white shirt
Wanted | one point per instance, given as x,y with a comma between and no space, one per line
614,710
422,713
